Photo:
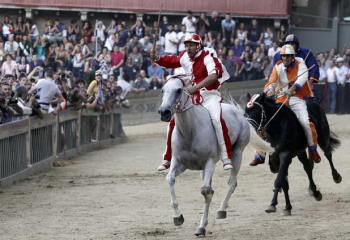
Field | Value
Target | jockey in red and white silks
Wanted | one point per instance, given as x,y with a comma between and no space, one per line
208,74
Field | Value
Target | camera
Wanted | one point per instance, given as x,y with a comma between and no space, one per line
2,100
73,96
36,106
13,101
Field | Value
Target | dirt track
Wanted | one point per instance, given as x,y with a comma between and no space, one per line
116,193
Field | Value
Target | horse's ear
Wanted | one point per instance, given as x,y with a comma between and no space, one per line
262,97
248,97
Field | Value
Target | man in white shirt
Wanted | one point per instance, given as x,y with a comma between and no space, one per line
170,41
341,80
331,72
273,50
47,91
190,22
181,38
11,45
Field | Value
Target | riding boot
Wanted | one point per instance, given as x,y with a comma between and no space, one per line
227,164
258,159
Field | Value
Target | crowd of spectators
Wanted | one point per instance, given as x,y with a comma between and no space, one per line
95,66
334,81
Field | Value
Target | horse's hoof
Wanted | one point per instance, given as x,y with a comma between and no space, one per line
338,180
319,197
221,215
286,212
179,220
200,231
271,209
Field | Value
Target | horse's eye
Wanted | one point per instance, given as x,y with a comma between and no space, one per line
178,91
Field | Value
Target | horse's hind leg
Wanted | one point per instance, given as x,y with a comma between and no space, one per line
308,169
208,193
337,178
175,169
236,160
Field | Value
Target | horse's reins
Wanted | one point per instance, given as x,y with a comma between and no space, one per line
263,114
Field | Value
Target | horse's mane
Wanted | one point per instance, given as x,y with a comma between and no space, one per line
270,102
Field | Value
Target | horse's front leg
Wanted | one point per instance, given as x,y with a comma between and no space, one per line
207,192
176,169
281,182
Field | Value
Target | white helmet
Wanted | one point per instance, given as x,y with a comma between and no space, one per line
287,50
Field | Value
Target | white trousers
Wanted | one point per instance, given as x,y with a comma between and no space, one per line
299,107
212,102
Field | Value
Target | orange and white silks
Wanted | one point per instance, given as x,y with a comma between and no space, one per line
280,82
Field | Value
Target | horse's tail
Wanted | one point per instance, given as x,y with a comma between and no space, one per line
257,142
334,141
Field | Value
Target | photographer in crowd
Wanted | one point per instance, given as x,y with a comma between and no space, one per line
28,103
8,105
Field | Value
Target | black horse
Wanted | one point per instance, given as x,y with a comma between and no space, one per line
286,135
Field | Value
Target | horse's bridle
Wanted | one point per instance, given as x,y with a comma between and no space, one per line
251,104
177,108
262,118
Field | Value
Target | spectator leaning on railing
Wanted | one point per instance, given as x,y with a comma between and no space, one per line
47,91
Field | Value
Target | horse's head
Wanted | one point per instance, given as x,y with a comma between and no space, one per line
255,110
172,94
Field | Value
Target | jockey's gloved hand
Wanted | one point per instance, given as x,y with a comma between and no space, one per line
270,93
291,91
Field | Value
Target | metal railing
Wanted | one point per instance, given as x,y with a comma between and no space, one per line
30,141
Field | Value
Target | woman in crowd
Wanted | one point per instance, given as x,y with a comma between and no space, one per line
104,60
68,46
258,64
268,38
62,57
209,40
281,35
78,62
155,83
73,31
19,29
31,30
202,25
87,31
9,66
99,32
85,50
40,47
241,33
22,67
246,70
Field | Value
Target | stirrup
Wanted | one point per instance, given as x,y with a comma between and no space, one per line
165,165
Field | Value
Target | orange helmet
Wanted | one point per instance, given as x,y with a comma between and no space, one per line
196,39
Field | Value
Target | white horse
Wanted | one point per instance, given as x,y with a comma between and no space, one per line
195,147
